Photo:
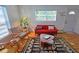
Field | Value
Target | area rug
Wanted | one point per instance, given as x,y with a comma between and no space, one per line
60,46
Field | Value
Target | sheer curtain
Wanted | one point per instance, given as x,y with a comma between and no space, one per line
4,22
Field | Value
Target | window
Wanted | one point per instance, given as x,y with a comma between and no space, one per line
45,15
4,22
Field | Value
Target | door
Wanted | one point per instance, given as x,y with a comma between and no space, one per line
70,21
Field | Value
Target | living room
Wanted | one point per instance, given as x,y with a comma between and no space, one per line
28,24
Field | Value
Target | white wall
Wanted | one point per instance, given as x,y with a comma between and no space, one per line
77,25
13,13
30,12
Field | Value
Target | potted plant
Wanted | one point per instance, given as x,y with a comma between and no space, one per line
24,22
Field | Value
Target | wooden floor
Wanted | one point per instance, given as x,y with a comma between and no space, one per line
72,39
11,47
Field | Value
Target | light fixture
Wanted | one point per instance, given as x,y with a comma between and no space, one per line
71,13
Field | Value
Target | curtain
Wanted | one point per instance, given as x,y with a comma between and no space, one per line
4,22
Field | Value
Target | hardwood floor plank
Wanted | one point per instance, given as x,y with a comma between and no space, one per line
72,39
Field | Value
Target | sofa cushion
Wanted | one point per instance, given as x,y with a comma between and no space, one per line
45,27
51,27
39,27
42,26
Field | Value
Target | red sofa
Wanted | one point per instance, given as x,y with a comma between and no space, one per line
46,30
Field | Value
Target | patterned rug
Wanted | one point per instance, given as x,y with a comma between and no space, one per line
59,46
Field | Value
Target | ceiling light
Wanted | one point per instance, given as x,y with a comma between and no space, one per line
71,13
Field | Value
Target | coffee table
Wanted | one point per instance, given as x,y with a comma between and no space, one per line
46,41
